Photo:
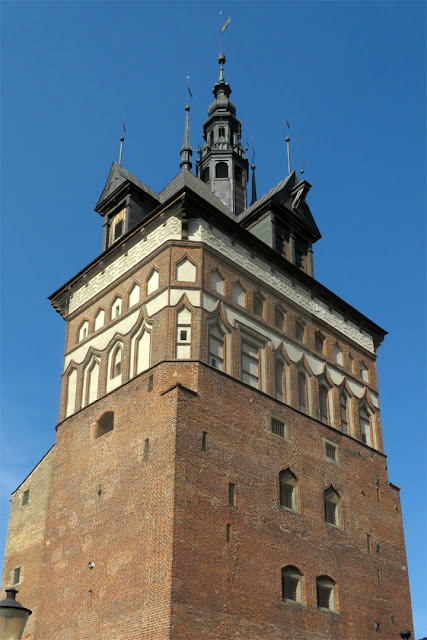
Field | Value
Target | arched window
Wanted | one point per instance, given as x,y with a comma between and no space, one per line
363,372
365,425
183,334
92,379
326,593
332,504
116,308
99,319
71,392
143,347
288,490
153,282
105,424
134,295
302,392
217,282
337,354
116,369
292,584
279,371
258,302
279,318
185,271
221,132
221,170
238,295
344,412
83,331
211,139
324,403
299,330
216,347
319,341
206,175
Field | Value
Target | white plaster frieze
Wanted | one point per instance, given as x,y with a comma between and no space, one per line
199,231
169,230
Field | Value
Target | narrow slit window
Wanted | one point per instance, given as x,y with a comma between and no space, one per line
302,392
205,441
231,495
323,402
16,575
344,412
146,448
288,490
332,507
25,497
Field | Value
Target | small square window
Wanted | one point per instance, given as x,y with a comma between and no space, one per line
25,497
330,451
278,428
183,335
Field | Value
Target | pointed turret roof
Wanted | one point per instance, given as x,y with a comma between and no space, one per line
116,178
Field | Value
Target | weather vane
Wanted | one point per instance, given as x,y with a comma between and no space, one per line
288,139
122,139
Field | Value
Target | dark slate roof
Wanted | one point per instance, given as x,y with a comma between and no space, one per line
117,177
281,194
189,180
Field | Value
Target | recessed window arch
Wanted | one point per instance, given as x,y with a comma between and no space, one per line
326,593
364,373
216,347
292,585
91,381
99,319
134,295
365,423
217,282
83,331
185,271
115,366
324,402
279,318
221,132
300,330
344,412
332,504
221,170
116,307
303,398
279,379
319,342
288,490
153,281
183,334
258,305
238,294
337,354
71,392
116,369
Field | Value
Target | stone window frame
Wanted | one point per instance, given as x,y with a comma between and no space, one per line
295,498
327,582
296,575
336,461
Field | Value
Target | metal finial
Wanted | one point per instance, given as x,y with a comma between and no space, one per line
221,57
186,150
302,167
288,139
122,139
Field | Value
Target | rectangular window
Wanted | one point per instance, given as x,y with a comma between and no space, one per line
368,541
216,348
330,451
278,428
286,496
324,596
290,588
25,497
16,575
231,495
118,229
146,448
205,441
228,532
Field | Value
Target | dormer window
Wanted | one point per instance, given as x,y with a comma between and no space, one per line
117,226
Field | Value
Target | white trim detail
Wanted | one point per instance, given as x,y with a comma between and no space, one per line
199,231
171,230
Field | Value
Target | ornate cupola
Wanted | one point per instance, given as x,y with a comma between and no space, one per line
222,163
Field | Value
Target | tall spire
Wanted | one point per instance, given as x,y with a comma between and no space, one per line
186,150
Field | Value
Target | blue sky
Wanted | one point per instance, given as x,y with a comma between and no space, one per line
350,77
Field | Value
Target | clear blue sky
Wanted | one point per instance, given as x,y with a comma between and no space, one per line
349,76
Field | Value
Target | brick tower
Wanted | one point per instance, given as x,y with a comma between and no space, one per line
218,470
